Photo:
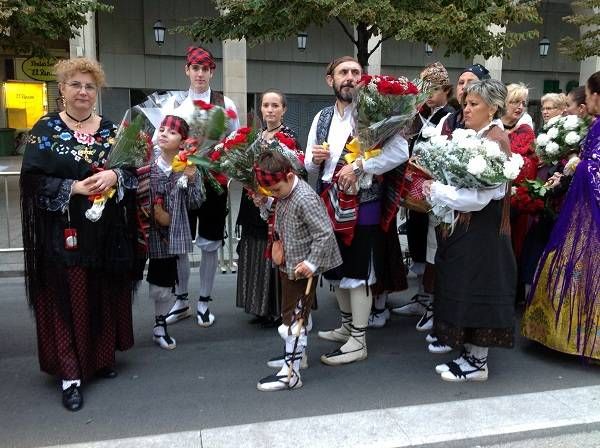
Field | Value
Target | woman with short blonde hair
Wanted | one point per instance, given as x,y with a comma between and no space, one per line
553,105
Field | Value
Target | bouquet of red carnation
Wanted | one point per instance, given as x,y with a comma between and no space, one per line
384,106
236,155
529,197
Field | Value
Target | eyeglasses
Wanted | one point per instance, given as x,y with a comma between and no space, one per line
548,108
76,85
518,103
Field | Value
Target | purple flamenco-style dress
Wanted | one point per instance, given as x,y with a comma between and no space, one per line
563,311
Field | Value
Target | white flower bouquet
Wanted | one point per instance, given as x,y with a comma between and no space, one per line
561,136
465,161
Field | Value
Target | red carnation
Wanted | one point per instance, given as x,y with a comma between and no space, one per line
412,89
203,105
231,114
216,155
244,131
365,79
286,140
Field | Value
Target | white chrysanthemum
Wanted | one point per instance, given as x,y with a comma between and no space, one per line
370,101
552,148
552,133
467,143
572,138
512,167
492,149
553,121
439,140
476,165
372,87
463,133
571,122
428,132
542,140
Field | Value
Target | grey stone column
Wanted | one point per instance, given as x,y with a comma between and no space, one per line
235,84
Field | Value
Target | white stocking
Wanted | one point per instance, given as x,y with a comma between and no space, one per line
183,274
208,270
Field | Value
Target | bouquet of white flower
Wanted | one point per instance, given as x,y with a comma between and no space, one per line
561,136
465,161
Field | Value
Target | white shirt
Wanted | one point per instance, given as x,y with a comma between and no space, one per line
339,131
186,108
395,151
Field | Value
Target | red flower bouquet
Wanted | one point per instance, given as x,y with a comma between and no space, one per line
529,197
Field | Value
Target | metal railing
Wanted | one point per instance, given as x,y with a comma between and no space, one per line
227,263
5,175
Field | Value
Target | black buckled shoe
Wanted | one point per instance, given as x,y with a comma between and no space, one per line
72,398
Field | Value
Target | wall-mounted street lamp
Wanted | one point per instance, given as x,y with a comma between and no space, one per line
544,47
428,49
159,33
302,37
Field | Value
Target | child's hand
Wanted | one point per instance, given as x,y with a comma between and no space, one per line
259,199
160,215
190,171
302,270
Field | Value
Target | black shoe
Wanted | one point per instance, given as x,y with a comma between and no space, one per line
72,398
106,372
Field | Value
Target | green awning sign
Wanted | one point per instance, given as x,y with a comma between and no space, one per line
40,69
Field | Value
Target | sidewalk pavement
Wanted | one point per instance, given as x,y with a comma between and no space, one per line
203,394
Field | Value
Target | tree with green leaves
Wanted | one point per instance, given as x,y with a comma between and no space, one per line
26,26
588,43
462,26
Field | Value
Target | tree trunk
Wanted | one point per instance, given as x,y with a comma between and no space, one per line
362,44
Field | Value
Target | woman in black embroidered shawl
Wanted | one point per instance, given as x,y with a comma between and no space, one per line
78,272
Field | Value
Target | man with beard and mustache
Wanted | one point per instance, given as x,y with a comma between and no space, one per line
362,243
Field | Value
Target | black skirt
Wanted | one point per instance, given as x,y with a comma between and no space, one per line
162,272
209,220
368,242
476,277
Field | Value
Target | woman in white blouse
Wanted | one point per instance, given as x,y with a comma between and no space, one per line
475,265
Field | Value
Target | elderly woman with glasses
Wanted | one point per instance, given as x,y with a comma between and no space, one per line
553,105
78,272
519,127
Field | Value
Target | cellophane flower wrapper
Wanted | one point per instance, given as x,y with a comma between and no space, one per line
132,148
561,136
384,106
465,161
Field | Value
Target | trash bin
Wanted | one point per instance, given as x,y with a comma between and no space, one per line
7,142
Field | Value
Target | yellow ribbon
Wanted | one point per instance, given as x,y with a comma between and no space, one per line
178,165
101,199
355,152
262,190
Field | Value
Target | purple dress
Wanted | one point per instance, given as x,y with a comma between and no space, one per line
564,305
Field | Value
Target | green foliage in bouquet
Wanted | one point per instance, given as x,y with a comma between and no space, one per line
133,145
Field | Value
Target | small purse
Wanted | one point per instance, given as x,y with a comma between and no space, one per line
277,253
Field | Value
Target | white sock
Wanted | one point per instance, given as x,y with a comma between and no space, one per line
162,297
68,383
202,307
183,274
208,270
158,330
477,352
